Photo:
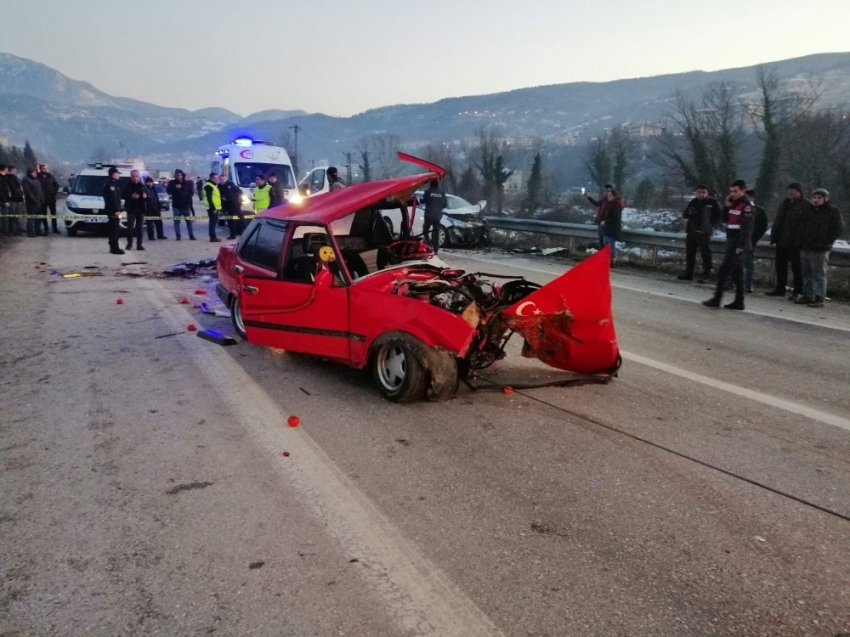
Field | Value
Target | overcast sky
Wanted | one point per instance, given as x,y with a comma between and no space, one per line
342,57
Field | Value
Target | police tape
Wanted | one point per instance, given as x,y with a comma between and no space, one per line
105,218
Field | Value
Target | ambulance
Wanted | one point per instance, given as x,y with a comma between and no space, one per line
244,158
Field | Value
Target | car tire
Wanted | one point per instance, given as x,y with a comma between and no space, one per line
397,373
236,318
443,237
71,231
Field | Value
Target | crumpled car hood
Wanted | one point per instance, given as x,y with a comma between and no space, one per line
568,322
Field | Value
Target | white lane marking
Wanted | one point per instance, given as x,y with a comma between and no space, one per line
421,599
767,399
664,295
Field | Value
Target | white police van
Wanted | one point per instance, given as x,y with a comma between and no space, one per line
84,207
245,158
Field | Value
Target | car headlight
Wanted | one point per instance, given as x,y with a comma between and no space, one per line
245,200
296,198
71,207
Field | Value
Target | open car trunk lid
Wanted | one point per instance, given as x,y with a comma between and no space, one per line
568,322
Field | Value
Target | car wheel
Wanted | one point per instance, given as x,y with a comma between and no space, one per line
443,237
71,230
236,318
398,374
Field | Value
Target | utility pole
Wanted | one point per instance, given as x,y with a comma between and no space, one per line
348,167
295,128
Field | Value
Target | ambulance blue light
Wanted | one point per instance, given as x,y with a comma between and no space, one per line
243,141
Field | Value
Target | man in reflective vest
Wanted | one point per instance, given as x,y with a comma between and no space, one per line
212,196
262,195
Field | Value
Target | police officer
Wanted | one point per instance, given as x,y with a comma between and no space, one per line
212,196
738,217
112,207
435,202
153,212
135,203
276,197
231,205
262,195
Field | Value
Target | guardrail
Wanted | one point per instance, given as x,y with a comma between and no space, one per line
840,257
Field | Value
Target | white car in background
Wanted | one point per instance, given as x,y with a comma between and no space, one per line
461,225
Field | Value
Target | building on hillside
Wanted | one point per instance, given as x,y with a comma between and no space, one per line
645,129
514,183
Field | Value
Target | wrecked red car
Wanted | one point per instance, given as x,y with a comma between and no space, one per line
326,277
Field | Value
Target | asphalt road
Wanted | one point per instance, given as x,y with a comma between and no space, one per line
705,491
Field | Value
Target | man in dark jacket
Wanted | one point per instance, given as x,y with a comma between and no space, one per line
335,181
612,222
276,197
702,214
180,190
17,194
600,212
760,224
435,201
231,206
34,197
112,207
135,198
51,188
199,186
738,217
784,236
153,211
820,226
5,202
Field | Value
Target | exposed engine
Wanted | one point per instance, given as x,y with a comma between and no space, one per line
478,300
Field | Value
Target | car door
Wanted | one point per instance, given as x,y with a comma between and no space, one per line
294,311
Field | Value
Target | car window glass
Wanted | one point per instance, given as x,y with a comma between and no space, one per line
302,253
317,182
268,245
248,240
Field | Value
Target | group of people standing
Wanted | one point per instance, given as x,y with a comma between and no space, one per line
33,197
220,196
803,233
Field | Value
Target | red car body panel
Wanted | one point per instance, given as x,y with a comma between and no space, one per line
375,310
568,322
330,206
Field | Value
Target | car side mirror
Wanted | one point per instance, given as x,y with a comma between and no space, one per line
324,277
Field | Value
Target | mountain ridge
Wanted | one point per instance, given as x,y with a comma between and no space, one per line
69,118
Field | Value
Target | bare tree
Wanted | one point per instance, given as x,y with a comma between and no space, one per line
703,144
490,158
364,163
774,117
598,161
444,156
384,149
621,150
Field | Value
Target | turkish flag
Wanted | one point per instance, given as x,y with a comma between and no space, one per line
568,322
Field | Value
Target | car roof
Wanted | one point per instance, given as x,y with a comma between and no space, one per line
330,206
